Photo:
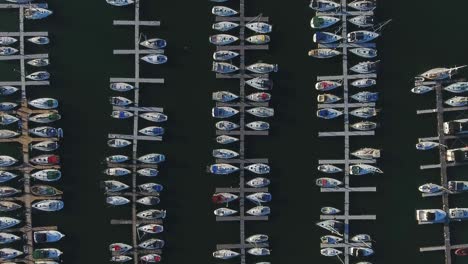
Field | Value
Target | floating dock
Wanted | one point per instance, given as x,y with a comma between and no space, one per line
23,112
133,194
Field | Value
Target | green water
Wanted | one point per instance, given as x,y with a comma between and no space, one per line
423,34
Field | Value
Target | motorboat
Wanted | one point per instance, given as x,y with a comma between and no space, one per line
261,111
263,68
117,200
6,176
119,248
224,67
429,216
362,21
223,11
118,143
45,190
6,51
223,112
422,89
323,5
222,39
47,253
441,73
223,198
223,168
458,213
260,83
427,145
151,258
365,67
155,58
259,27
6,106
39,40
48,205
45,118
363,5
226,125
148,172
47,236
430,188
115,186
48,159
224,26
152,214
151,187
117,259
48,175
121,87
363,169
366,97
120,2
326,37
224,212
327,168
364,125
224,55
7,90
224,139
457,101
6,41
44,103
224,96
39,62
6,191
224,154
38,76
154,117
4,133
7,238
152,244
152,131
258,182
361,238
455,127
6,119
323,53
149,200
364,112
458,87
320,22
324,86
258,168
151,228
117,171
258,125
330,239
458,186
154,43
259,251
367,53
328,210
8,222
260,197
9,253
152,158
225,254
330,252
121,114
328,113
120,101
258,238
258,39
360,251
328,183
259,211
6,161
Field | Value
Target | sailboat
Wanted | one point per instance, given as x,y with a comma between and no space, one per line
35,13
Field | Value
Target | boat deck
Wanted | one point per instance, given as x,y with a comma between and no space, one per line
23,113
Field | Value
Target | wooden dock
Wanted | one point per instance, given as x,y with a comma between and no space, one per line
346,106
242,105
23,112
134,193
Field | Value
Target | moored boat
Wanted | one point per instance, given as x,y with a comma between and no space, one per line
39,62
426,145
6,161
7,90
7,222
222,168
326,37
260,197
152,244
328,113
258,238
328,210
118,143
222,39
155,58
45,190
364,125
330,239
430,216
224,139
120,2
44,103
151,187
320,22
361,251
224,67
152,131
5,133
6,119
119,248
6,206
151,228
224,212
224,26
258,168
441,73
224,154
7,238
364,52
9,253
365,67
114,186
258,125
362,21
6,51
422,89
259,27
328,168
261,111
223,112
48,175
225,254
6,41
458,87
323,5
121,114
39,40
47,253
6,106
330,252
323,53
48,205
223,11
48,159
364,112
151,258
430,188
259,211
262,68
152,158
364,83
256,251
328,183
258,182
121,87
327,85
148,172
363,5
38,76
258,39
226,125
154,43
224,55
47,236
45,118
260,83
7,191
154,117
6,176
152,214
117,200
117,171
457,101
363,169
223,198
120,101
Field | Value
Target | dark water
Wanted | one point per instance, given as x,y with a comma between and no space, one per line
423,34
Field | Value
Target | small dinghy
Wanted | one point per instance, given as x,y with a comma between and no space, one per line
118,143
149,200
117,200
7,238
330,252
259,39
39,62
121,87
39,40
117,158
364,83
6,176
328,98
115,186
49,175
152,244
363,5
364,112
152,131
222,39
4,133
261,111
152,158
151,228
328,183
151,258
6,161
48,205
360,251
263,68
222,169
224,139
363,169
121,114
365,97
155,43
258,182
6,41
255,239
223,11
151,187
117,172
119,248
457,101
154,117
364,52
155,58
259,97
45,118
329,210
223,96
362,21
259,211
224,212
9,253
323,5
6,51
329,239
152,214
458,87
224,26
320,22
6,106
259,27
7,222
260,83
45,160
225,254
324,86
6,119
223,198
223,112
7,90
48,236
259,251
226,125
430,188
367,153
38,76
224,67
426,145
323,53
6,191
45,190
326,37
365,67
44,103
327,168
328,113
258,125
120,101
224,55
119,2
260,197
364,126
148,172
224,154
